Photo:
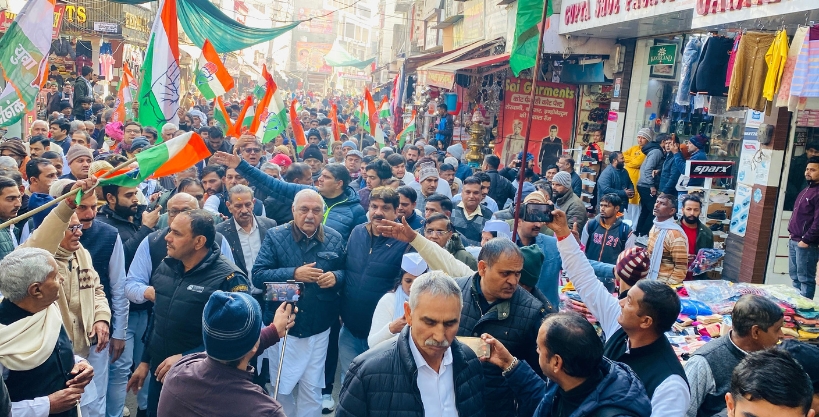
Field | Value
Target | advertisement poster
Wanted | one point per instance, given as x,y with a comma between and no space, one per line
552,121
310,57
745,173
323,24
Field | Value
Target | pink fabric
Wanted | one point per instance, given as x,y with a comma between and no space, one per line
731,60
784,97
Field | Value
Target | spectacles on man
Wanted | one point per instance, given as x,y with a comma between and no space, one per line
253,150
74,228
438,233
176,212
134,131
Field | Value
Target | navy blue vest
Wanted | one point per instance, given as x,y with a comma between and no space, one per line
99,241
47,378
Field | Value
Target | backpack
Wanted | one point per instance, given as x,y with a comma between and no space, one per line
592,224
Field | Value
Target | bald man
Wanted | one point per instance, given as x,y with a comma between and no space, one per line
138,288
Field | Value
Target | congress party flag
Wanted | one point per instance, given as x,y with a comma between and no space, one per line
274,119
23,59
407,133
159,94
210,76
125,97
384,108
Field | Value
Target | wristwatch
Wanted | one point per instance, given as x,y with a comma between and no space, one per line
511,366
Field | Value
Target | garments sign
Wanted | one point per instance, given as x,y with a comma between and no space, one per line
552,121
665,54
7,17
310,57
709,169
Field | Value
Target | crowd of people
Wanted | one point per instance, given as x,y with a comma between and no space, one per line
417,280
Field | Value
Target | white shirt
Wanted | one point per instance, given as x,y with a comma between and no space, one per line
251,245
487,202
437,388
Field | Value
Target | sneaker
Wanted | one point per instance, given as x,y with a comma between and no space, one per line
327,404
586,158
717,215
126,412
717,227
586,170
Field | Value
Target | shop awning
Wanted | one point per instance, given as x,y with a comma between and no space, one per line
443,75
453,55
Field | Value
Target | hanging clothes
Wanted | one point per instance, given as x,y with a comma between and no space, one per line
784,98
806,74
732,59
106,66
106,48
709,78
750,71
775,58
691,54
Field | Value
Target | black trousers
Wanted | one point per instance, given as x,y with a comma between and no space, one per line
646,219
331,360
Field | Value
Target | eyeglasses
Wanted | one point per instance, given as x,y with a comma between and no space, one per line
133,131
438,233
74,228
253,150
175,212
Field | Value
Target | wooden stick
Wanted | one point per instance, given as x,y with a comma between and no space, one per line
535,79
63,197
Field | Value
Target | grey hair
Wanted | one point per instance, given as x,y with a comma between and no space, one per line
84,133
270,165
307,193
7,161
169,128
435,283
21,268
497,247
75,124
239,189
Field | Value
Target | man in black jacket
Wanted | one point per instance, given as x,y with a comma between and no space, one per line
131,220
500,189
426,371
193,270
309,252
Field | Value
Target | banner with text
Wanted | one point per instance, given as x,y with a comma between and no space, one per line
552,122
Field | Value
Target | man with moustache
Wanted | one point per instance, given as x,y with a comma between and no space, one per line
615,179
132,220
699,236
212,180
373,263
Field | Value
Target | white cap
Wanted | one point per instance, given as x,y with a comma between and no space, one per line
412,263
500,227
452,161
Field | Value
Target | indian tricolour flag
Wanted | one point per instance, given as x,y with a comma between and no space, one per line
23,59
123,110
210,76
407,133
384,108
167,158
159,93
275,121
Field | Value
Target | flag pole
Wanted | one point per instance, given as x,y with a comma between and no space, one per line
63,197
535,74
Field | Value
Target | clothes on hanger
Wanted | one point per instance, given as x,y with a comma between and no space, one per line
784,98
806,74
106,66
690,57
106,48
750,71
709,78
775,58
732,59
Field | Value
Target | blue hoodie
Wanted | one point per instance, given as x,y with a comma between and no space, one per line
619,388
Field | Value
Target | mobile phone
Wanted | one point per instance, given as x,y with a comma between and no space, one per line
288,292
101,77
538,212
481,348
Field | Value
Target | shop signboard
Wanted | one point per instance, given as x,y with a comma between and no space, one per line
106,27
321,20
587,14
471,28
552,121
310,57
709,13
7,17
663,54
709,169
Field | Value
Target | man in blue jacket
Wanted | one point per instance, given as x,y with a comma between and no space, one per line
373,264
585,383
343,212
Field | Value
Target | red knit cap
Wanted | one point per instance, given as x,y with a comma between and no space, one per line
632,265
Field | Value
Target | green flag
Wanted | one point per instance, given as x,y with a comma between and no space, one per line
524,45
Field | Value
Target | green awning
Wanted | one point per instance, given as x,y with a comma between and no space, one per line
339,57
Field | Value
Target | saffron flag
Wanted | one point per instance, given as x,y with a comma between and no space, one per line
23,59
524,44
298,130
260,114
369,113
275,117
222,116
407,133
167,158
236,128
159,94
384,108
210,75
125,97
334,118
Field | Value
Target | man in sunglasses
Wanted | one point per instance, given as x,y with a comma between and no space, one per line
251,151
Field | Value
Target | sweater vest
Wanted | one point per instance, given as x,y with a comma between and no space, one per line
652,363
45,379
99,241
722,357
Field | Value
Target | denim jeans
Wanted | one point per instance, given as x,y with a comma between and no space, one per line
802,267
118,380
646,220
349,347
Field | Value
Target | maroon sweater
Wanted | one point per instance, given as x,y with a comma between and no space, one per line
200,386
804,223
